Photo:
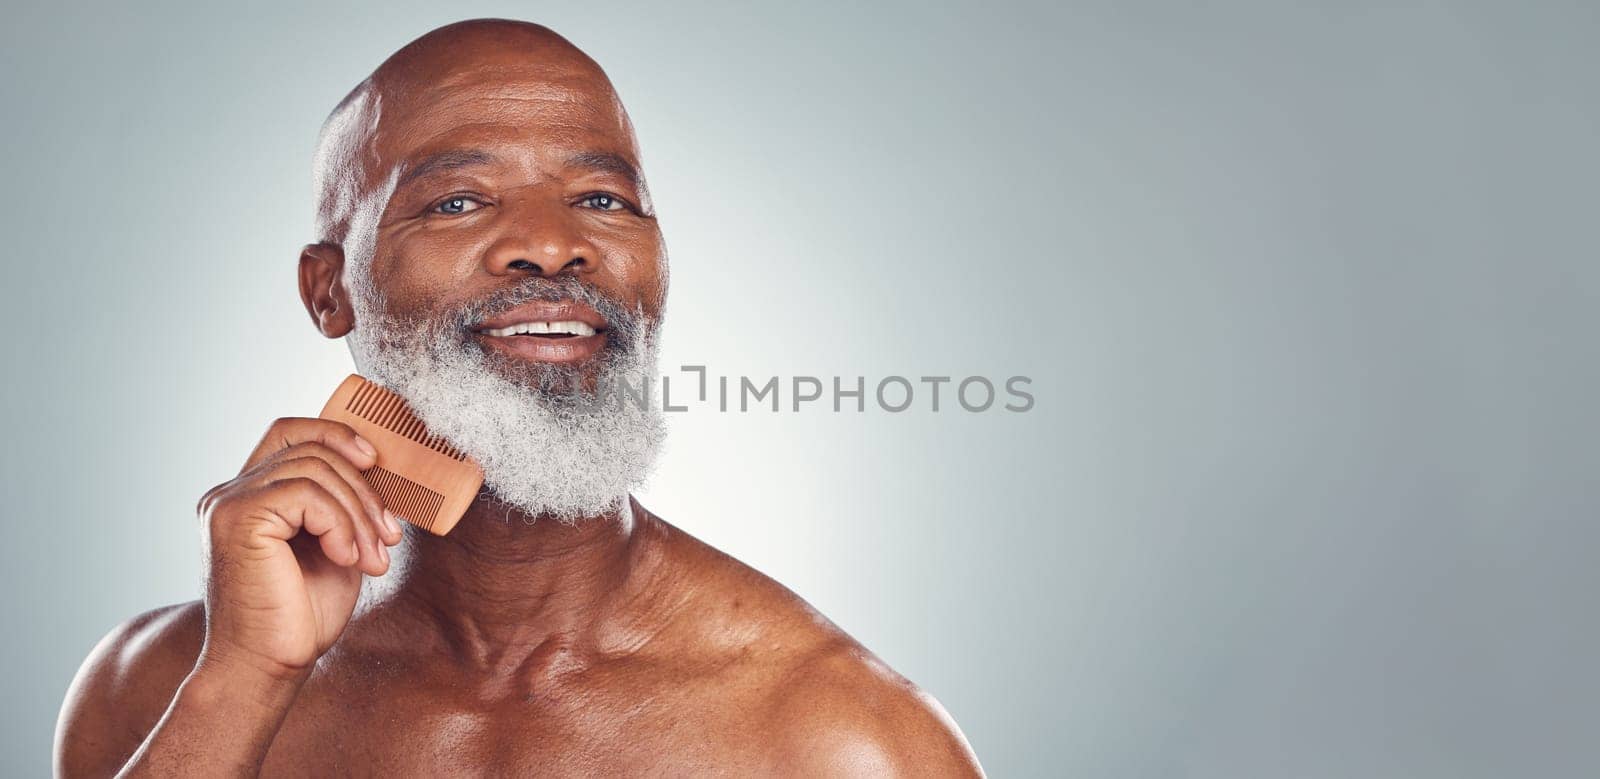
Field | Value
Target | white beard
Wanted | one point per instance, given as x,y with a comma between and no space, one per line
548,445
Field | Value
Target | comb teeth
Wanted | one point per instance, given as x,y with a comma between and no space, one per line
419,476
389,411
407,499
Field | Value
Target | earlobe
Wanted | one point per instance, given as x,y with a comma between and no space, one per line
322,289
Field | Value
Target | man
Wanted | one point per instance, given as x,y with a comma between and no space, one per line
488,243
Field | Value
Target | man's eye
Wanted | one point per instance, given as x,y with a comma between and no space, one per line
604,202
457,205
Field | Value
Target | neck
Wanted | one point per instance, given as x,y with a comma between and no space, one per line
503,586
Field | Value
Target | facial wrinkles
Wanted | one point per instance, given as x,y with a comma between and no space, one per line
570,108
633,255
365,215
524,98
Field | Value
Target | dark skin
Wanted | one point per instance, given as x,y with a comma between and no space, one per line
514,645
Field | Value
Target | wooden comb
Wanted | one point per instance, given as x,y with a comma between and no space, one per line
421,477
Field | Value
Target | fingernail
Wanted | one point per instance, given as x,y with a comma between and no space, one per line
365,446
388,519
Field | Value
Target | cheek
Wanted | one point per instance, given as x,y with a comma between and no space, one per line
419,268
422,267
639,267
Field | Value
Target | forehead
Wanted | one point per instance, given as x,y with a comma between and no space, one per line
528,111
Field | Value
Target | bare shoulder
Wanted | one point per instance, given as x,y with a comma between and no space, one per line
842,711
827,705
124,686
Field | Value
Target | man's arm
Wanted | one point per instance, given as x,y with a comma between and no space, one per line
141,705
187,740
123,687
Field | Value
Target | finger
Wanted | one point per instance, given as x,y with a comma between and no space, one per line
370,500
207,501
343,485
374,560
299,503
288,431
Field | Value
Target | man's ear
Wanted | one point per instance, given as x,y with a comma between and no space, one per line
322,289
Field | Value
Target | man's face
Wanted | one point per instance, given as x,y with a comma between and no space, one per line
498,195
502,171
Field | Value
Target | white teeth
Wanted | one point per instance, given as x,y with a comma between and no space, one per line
569,328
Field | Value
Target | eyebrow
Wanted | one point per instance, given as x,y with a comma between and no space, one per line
605,162
449,159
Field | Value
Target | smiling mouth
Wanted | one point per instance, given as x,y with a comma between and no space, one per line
546,331
550,330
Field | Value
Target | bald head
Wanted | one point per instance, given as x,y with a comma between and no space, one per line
503,61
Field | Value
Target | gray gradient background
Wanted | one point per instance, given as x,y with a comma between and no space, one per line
1307,291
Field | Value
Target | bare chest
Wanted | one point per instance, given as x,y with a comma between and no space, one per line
596,726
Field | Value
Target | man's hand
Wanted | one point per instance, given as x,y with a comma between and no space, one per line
289,538
287,542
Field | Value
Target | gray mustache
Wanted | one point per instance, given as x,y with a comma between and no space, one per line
624,323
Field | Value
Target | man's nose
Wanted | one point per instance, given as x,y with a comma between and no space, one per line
545,240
